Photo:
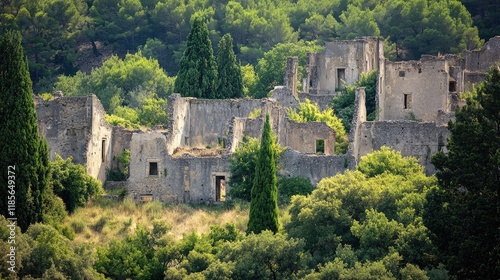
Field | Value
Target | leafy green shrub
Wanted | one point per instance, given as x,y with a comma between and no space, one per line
288,187
72,183
78,226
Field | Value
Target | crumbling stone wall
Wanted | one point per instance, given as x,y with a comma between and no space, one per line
478,62
291,74
202,122
75,126
342,62
418,89
312,166
179,179
418,139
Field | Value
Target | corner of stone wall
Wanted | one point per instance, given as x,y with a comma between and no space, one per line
359,116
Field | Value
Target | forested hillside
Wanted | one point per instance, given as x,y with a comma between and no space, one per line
57,33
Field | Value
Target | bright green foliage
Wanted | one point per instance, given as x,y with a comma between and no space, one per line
119,121
271,67
198,73
463,212
249,79
264,201
266,256
343,104
143,255
120,82
309,112
374,213
20,147
73,184
390,161
229,81
153,111
48,253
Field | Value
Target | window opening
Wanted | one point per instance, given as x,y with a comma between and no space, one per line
153,168
340,77
402,73
320,146
103,150
452,87
407,101
220,188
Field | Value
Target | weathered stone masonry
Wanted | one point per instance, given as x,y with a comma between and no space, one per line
189,160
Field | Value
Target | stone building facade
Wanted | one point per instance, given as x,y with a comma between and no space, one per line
188,161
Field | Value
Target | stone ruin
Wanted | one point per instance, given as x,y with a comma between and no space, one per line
188,160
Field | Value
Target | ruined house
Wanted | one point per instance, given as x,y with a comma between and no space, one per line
188,160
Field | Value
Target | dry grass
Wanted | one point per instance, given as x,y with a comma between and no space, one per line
105,219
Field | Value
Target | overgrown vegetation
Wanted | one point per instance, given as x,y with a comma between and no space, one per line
77,29
343,104
309,112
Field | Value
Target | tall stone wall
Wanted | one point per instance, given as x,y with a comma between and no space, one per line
418,139
416,89
178,122
75,127
358,118
482,60
342,62
99,151
179,179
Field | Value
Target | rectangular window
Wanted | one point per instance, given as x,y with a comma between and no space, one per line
220,188
340,77
320,146
402,73
153,169
407,100
452,87
103,150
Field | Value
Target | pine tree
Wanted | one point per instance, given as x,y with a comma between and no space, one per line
264,203
197,75
463,213
229,82
22,151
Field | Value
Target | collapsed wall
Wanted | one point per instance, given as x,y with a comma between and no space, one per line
341,63
417,139
75,127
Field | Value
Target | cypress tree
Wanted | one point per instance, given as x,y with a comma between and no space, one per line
197,75
22,151
229,82
463,214
264,203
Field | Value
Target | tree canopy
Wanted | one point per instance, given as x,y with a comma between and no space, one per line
23,153
463,212
197,75
76,29
264,196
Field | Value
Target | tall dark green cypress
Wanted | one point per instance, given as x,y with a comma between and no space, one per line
197,76
230,81
22,151
264,203
464,213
